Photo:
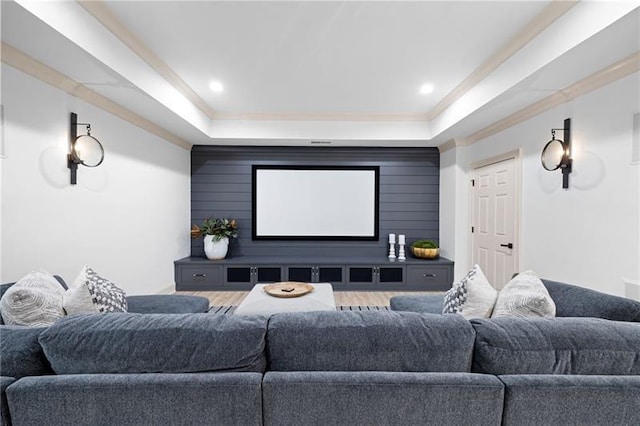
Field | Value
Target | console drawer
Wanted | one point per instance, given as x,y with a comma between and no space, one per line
428,278
199,277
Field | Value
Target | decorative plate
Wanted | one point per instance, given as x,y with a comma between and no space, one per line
288,289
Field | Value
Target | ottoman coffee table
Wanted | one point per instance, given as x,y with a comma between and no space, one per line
258,302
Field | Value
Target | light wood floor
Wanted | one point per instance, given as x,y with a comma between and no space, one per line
343,298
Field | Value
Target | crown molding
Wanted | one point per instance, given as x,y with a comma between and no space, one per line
450,144
25,63
320,117
103,14
601,78
542,21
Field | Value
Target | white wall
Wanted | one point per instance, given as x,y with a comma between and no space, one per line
127,218
588,235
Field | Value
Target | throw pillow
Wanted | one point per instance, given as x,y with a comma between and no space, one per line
471,297
78,300
105,296
35,301
524,296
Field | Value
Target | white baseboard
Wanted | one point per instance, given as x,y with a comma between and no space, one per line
170,289
631,288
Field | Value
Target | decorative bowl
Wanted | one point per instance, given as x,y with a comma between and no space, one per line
425,253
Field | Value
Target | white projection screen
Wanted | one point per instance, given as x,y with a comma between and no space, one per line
315,202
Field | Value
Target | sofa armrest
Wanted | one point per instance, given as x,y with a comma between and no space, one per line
167,304
574,301
429,304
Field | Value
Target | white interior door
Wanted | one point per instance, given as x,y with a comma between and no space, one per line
495,217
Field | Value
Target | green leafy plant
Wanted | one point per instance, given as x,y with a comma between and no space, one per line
218,227
426,244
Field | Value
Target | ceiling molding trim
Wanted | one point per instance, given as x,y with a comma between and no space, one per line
450,144
25,63
103,14
606,76
320,117
543,20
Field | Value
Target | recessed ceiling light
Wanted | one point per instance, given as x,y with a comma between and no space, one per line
216,86
427,88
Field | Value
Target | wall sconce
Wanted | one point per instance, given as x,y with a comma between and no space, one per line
556,154
83,149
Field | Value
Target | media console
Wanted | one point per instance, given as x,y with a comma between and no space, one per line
344,273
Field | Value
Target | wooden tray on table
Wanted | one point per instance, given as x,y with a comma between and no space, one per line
288,289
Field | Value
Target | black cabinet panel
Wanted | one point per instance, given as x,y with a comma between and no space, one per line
330,275
303,274
269,275
361,275
391,275
239,275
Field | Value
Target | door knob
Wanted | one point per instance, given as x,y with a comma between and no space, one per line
509,245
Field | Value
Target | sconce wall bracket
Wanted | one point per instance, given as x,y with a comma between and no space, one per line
83,149
557,153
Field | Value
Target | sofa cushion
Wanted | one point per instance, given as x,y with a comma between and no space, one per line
20,352
542,399
574,301
5,381
35,300
381,398
556,346
471,297
369,341
524,296
138,399
163,343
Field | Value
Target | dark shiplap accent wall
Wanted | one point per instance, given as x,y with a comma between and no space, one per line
409,194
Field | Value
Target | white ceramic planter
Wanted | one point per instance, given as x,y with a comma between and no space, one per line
215,250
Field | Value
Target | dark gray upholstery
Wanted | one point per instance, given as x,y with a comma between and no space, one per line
167,304
574,301
570,301
20,352
430,304
381,398
138,399
369,341
5,418
162,343
556,346
150,304
534,400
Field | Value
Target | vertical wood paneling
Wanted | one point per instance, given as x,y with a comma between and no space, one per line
409,194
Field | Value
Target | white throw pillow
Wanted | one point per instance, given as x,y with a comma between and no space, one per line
35,301
524,296
78,299
471,297
91,293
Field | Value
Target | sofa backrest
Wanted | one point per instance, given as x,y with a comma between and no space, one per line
155,343
20,353
556,346
369,341
574,301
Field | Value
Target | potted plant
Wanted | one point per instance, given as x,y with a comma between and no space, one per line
216,233
426,249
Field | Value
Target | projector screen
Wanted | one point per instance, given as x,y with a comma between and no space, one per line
315,202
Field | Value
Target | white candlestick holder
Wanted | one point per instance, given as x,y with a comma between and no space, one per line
392,251
401,252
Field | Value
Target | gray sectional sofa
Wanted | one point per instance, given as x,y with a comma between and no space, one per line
318,368
149,304
570,301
